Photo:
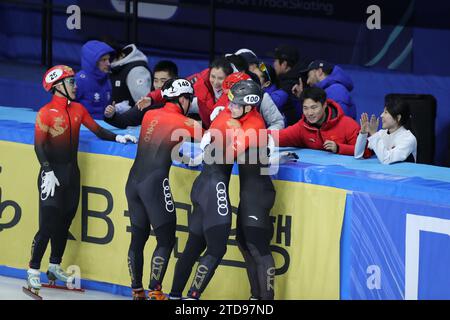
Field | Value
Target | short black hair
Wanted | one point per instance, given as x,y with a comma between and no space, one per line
167,65
396,106
314,93
222,63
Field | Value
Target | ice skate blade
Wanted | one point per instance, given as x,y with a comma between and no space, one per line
54,286
31,293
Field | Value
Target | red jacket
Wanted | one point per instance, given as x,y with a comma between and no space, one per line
202,90
238,135
338,127
205,95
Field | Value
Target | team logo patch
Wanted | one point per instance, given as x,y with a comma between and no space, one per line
170,207
222,202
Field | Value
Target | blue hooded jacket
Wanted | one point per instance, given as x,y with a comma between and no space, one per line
338,86
278,96
93,85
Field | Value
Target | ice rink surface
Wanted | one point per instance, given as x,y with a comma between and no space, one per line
11,289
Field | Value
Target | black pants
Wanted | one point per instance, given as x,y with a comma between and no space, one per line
56,214
150,203
254,229
209,228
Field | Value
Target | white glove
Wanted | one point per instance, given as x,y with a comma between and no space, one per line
195,162
283,157
216,112
122,107
125,138
206,139
270,144
49,181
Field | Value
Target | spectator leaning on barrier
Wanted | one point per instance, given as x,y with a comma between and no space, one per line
323,126
269,83
267,108
131,78
394,143
207,89
336,83
164,70
288,67
94,86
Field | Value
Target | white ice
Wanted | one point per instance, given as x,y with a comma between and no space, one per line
11,289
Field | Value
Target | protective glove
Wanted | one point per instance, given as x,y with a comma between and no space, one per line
216,112
196,161
125,138
49,181
270,144
206,139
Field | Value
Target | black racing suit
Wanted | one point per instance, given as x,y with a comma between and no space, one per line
57,133
148,192
210,223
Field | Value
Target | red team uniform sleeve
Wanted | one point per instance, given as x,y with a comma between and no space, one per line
93,126
41,130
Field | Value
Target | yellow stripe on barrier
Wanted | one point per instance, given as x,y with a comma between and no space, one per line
307,227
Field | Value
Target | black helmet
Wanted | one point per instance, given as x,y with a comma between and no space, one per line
246,92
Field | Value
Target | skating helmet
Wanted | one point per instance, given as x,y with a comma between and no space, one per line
56,74
234,78
246,92
175,88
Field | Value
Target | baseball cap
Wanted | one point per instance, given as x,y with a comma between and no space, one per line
287,52
248,55
319,64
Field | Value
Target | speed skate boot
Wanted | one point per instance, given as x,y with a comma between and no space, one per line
139,294
156,295
55,272
33,280
33,284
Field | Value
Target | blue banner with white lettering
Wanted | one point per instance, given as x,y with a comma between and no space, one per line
399,249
